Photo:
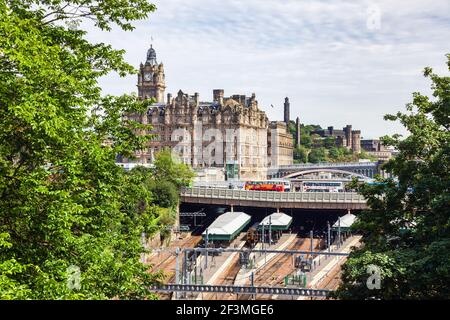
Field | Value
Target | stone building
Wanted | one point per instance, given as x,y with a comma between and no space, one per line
227,130
281,138
372,145
375,148
351,139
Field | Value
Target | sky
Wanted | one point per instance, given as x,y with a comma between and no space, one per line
339,62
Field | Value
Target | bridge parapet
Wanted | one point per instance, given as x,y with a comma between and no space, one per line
327,165
340,200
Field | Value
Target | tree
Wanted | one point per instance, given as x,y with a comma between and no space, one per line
169,168
406,231
317,155
334,153
301,154
306,141
364,155
63,201
165,193
329,142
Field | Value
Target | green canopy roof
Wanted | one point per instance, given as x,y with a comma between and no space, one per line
227,226
277,220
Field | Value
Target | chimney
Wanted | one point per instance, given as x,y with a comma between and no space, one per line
169,98
196,99
218,95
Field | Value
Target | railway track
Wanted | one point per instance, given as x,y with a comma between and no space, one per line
278,267
332,280
282,265
226,279
165,261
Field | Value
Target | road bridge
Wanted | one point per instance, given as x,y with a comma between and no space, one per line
271,199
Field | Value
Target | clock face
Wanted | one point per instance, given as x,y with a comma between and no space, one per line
148,76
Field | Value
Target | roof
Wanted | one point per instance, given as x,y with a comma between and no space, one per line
346,221
227,226
278,221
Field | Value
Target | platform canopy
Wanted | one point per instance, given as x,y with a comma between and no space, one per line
346,222
227,226
278,221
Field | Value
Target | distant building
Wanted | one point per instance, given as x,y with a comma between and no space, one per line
279,135
344,138
227,132
375,148
372,145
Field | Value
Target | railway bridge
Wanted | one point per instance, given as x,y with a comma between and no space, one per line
271,199
361,169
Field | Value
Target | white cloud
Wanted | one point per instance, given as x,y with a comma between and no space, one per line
321,54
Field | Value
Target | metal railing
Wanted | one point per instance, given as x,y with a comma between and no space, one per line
272,196
241,289
327,165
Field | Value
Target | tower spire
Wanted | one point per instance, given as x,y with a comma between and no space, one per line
151,78
151,56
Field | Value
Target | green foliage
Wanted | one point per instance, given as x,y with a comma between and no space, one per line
63,201
166,194
364,155
168,168
10,287
306,141
317,155
305,134
329,142
406,232
341,154
301,154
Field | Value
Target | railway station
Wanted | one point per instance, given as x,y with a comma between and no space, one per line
265,233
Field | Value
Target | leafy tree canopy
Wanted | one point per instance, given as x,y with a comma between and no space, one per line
317,155
63,201
406,232
168,168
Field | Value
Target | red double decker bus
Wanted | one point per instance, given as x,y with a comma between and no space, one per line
271,185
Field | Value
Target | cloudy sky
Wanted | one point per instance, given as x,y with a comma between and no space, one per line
339,62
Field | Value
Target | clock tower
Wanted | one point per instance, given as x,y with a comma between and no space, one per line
151,78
